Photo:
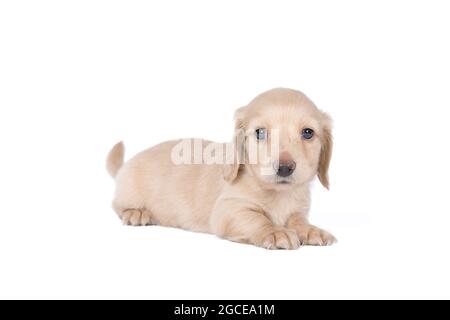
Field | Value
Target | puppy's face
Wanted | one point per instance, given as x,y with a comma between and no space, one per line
286,140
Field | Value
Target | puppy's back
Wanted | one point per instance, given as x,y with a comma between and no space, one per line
178,195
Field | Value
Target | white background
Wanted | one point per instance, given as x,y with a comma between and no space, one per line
77,76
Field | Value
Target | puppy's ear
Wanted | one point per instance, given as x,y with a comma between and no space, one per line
239,116
236,159
325,153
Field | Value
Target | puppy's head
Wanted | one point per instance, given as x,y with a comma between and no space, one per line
282,139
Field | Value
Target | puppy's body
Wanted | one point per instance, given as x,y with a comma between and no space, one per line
173,195
234,201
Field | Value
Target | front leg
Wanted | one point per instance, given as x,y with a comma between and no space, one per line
242,223
309,234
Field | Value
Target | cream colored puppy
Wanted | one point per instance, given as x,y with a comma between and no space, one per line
256,191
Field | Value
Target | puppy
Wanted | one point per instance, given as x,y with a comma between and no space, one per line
254,190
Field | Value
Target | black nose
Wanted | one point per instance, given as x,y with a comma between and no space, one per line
286,168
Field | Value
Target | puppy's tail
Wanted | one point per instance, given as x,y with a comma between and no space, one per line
114,161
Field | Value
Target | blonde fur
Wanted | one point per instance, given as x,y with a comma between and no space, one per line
234,201
114,161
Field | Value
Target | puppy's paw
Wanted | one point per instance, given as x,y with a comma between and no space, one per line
136,217
310,235
279,238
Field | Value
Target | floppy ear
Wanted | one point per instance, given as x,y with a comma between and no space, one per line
325,154
231,169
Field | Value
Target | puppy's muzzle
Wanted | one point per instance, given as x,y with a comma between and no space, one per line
285,168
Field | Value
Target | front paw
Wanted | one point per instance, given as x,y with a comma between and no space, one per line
278,238
310,235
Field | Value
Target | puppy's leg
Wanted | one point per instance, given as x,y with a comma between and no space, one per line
252,226
309,234
134,217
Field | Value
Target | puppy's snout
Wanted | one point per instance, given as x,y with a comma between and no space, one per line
286,168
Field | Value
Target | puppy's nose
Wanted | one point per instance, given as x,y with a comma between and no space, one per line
286,168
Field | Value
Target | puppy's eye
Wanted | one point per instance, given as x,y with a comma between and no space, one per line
261,134
307,133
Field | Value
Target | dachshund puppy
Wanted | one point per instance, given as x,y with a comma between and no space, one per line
255,190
